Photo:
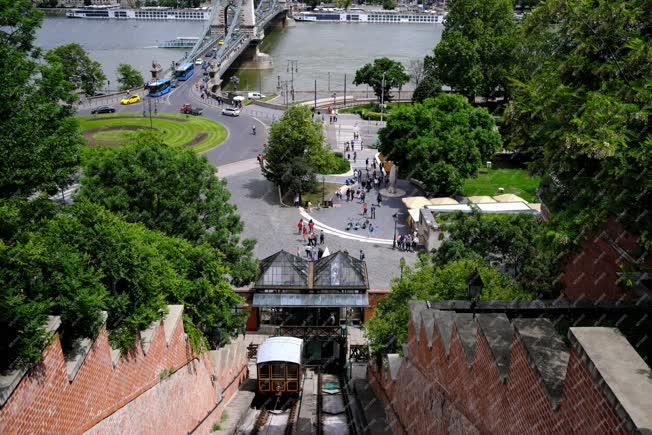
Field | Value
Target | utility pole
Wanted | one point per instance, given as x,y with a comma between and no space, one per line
382,98
344,90
292,67
314,108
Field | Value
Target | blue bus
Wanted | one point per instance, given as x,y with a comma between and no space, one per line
184,71
159,87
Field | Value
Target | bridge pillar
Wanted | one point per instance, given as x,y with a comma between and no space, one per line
247,18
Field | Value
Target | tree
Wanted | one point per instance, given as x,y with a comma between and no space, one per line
78,67
344,4
292,141
416,70
389,4
582,115
428,87
128,77
39,144
174,191
86,260
515,244
387,330
475,54
372,74
440,141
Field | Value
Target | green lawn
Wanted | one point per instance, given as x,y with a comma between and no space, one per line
315,197
193,132
516,181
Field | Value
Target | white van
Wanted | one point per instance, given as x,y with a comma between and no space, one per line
255,95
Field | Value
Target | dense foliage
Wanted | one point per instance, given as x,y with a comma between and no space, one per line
581,111
39,142
382,75
387,330
174,191
515,244
78,261
475,54
83,260
78,68
440,141
129,77
296,152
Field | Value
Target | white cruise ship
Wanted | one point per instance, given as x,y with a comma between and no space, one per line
201,14
362,16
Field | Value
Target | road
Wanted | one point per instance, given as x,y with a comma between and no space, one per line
240,143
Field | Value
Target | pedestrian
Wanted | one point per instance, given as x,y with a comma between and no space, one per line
348,156
408,243
361,255
373,211
314,254
362,196
321,237
296,199
311,226
376,183
400,242
371,229
310,206
379,199
364,209
415,241
308,252
355,156
300,225
305,233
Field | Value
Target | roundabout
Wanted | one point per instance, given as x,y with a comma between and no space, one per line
191,132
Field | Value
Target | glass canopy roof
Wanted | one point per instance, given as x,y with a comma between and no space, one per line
340,270
283,269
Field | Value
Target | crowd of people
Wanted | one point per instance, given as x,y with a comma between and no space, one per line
311,239
407,242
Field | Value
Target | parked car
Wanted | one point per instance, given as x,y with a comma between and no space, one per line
189,110
199,61
102,109
231,111
132,99
255,95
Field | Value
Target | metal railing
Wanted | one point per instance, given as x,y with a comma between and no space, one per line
312,331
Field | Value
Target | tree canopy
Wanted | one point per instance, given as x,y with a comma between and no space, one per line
174,191
475,54
295,151
581,112
78,67
387,330
440,141
372,74
85,260
129,77
515,244
39,144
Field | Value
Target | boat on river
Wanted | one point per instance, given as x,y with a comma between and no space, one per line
146,13
361,16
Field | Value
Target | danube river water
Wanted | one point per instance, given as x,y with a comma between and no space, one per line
322,50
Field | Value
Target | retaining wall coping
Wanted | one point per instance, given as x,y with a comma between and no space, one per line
416,307
170,321
467,332
444,321
498,332
546,352
394,362
428,319
76,357
620,373
10,380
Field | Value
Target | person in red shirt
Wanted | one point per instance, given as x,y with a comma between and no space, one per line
300,225
311,226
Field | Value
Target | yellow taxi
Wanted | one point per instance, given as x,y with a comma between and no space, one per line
221,42
130,99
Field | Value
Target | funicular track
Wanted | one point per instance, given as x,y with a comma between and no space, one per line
271,421
334,415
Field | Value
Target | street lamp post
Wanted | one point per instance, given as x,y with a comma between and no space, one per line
395,216
108,83
293,66
323,191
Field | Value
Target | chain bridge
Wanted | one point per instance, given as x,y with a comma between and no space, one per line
239,25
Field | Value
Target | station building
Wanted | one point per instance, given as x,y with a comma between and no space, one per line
315,301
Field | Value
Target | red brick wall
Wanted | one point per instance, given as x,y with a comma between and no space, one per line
375,295
592,274
45,401
435,393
